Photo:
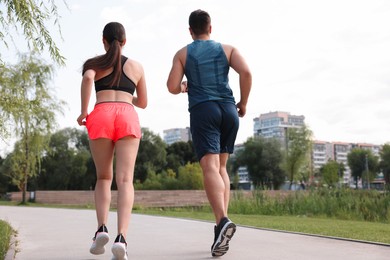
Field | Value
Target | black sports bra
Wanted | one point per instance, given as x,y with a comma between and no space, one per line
125,83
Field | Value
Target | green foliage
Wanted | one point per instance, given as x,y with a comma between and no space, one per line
24,162
31,18
331,172
359,161
6,233
179,154
151,155
263,159
385,164
67,146
26,100
339,203
298,147
190,177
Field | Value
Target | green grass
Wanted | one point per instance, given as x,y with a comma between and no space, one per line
348,229
6,233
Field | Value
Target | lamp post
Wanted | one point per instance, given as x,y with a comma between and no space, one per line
368,176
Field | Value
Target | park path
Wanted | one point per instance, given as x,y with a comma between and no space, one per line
52,233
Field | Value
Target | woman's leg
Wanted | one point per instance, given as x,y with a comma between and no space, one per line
102,153
126,153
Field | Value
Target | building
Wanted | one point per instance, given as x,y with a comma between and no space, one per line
275,124
177,135
375,149
340,155
322,152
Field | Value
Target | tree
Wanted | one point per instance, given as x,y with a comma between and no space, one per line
298,144
24,162
385,164
33,115
331,172
31,18
151,155
363,165
179,154
65,165
190,177
263,159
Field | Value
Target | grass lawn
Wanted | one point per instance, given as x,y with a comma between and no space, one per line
357,230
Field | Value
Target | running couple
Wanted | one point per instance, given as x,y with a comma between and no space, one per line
113,124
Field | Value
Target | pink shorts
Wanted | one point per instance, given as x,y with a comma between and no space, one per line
113,120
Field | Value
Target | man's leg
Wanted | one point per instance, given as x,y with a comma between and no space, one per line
223,158
214,184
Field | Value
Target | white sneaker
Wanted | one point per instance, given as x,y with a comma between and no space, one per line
99,241
118,249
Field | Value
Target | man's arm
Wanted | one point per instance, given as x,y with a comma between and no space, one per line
238,63
174,82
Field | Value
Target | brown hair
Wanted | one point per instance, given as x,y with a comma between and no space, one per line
115,35
199,22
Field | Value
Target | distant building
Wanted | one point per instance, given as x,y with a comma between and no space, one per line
275,125
177,135
375,149
322,152
244,181
340,155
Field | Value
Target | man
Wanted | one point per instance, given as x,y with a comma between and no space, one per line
213,113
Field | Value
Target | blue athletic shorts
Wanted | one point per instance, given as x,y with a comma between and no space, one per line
214,126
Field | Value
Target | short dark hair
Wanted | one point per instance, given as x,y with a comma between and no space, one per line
199,22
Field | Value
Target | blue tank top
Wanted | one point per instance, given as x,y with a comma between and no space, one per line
206,70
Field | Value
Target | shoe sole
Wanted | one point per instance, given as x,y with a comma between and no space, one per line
118,251
221,246
100,241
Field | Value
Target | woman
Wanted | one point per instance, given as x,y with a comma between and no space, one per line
113,127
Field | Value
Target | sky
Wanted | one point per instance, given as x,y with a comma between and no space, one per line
326,60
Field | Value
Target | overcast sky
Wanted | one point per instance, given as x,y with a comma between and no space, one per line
327,60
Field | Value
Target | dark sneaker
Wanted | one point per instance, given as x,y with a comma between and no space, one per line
99,241
118,249
222,235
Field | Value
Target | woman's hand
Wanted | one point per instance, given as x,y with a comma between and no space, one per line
81,118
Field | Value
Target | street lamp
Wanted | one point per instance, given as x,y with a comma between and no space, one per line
368,176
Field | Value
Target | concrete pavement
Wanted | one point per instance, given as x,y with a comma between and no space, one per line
51,233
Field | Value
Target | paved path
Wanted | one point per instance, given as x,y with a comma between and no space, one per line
46,233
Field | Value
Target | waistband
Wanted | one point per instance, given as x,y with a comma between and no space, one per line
120,103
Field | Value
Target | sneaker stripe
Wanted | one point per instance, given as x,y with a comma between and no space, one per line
221,245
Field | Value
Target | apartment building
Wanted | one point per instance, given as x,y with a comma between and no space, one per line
177,135
275,124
